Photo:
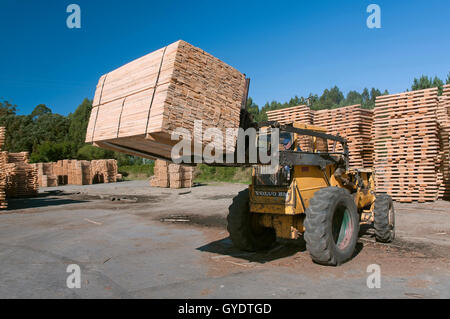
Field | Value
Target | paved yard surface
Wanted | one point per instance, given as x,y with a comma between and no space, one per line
123,238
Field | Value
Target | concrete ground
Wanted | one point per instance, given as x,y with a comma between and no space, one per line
125,239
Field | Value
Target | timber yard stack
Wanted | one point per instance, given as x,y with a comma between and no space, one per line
21,177
355,125
104,170
171,175
46,178
137,106
3,161
301,113
443,118
75,172
407,145
180,176
79,173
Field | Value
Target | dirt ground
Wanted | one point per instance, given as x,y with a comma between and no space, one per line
132,240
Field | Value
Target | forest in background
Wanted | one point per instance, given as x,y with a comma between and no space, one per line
49,137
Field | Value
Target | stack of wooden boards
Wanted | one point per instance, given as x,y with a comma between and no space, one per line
3,161
351,122
137,106
301,114
75,172
21,177
406,139
443,118
17,177
411,145
171,175
355,125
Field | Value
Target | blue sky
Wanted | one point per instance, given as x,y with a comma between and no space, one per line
287,48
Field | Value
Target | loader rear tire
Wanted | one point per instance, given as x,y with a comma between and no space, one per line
384,218
244,234
331,226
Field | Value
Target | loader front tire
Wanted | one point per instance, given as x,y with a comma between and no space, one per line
331,226
384,218
244,234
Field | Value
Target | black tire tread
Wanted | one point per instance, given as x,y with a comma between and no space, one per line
239,226
316,233
382,205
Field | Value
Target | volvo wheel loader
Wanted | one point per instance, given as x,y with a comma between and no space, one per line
313,194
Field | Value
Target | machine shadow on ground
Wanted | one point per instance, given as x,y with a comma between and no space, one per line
281,249
42,200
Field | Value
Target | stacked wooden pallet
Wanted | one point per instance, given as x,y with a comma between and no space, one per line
75,172
79,173
171,175
2,136
407,145
46,177
180,176
443,119
160,174
301,114
105,168
3,163
354,124
137,106
21,177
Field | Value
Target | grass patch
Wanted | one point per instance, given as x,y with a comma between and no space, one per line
136,172
204,173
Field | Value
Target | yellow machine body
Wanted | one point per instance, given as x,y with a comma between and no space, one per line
283,207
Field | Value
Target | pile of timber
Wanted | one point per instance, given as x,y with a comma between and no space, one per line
21,177
2,136
171,175
137,106
443,118
351,122
302,114
75,172
355,125
407,145
3,163
104,170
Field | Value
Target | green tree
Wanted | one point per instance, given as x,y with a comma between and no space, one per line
78,123
52,152
425,82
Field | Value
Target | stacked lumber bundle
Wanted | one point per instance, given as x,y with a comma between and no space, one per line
443,119
180,176
407,145
137,106
75,172
160,174
21,177
46,177
106,168
79,173
2,136
355,125
171,175
3,163
301,114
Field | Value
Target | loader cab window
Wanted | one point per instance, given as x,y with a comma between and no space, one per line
286,141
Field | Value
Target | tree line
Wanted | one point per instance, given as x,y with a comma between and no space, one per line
50,137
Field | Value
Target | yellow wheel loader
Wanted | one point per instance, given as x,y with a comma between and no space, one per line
313,194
